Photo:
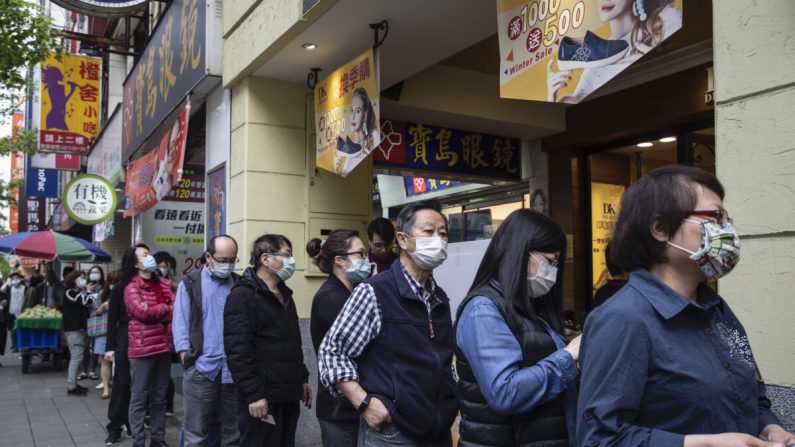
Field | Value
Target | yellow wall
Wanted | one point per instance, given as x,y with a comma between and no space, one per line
756,163
274,186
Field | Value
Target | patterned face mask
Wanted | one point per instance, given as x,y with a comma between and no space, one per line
720,249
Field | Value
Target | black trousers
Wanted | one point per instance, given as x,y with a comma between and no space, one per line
254,432
119,405
3,337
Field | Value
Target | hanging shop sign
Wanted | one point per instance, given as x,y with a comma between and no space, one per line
61,162
105,229
347,115
70,103
605,199
416,186
152,177
17,174
177,224
216,206
440,149
563,50
32,213
89,199
102,7
40,182
171,66
105,158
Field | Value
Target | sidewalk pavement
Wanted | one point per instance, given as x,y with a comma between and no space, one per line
35,410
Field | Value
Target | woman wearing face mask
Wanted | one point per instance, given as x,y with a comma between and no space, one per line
149,302
101,342
665,361
517,375
343,257
96,280
76,308
262,341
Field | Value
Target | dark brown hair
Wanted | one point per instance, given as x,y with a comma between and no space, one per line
336,244
71,279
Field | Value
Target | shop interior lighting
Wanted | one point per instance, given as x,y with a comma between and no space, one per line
667,140
645,144
309,46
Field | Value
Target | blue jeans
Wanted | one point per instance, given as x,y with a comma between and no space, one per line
339,433
390,435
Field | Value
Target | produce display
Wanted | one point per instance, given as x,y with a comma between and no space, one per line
39,317
41,312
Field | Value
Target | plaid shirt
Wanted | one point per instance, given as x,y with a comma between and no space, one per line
357,325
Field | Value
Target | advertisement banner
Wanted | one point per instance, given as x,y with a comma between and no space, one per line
151,177
32,213
216,206
105,158
347,115
70,103
416,186
171,65
105,229
439,149
61,162
563,50
89,199
17,173
177,225
605,199
40,182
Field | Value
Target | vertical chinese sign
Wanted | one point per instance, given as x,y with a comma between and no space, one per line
70,103
216,206
563,50
17,174
605,199
347,115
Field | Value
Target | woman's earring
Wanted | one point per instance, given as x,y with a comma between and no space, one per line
638,10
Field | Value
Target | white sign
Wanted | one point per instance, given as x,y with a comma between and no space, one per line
177,228
105,157
89,199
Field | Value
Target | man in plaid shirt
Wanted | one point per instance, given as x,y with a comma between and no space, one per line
390,350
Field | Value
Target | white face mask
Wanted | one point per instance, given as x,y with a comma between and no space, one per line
542,283
430,251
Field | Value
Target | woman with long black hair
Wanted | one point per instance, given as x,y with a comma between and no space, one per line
516,373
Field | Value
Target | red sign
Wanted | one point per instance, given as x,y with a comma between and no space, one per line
393,146
64,162
151,178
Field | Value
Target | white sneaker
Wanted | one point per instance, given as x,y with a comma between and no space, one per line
99,387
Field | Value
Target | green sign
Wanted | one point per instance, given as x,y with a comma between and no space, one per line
89,199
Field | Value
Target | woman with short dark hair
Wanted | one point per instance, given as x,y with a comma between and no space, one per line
665,362
517,375
76,308
343,258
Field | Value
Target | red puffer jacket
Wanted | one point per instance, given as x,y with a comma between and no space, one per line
149,305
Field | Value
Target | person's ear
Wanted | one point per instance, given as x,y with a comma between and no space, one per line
339,261
402,240
659,230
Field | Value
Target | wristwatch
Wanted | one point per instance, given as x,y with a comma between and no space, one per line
364,404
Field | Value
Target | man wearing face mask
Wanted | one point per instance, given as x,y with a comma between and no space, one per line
262,341
390,351
198,328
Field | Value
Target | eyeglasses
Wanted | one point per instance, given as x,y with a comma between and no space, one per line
234,260
361,253
719,216
542,258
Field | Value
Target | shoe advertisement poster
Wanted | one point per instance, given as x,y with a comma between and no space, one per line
347,115
564,50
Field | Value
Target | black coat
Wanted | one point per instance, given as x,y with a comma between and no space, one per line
326,305
262,340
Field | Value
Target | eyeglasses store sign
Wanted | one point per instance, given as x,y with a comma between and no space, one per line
89,199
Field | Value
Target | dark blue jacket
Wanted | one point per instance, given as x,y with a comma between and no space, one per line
409,364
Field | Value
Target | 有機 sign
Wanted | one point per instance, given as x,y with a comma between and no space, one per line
89,199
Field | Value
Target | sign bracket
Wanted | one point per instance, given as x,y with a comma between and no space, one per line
312,77
376,27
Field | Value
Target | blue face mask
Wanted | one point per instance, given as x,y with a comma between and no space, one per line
149,263
81,283
222,270
94,277
358,271
287,270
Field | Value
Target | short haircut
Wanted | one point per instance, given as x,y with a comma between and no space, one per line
663,198
66,271
17,274
383,228
71,279
267,244
211,245
164,256
408,215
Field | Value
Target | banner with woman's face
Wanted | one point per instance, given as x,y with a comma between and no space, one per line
347,115
563,50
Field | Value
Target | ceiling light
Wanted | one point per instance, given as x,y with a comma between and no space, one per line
309,46
667,140
645,144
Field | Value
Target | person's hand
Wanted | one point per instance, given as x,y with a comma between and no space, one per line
308,396
182,357
728,440
776,433
144,306
258,409
556,80
376,414
573,348
109,355
4,303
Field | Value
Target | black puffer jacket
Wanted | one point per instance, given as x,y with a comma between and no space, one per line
263,342
544,426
